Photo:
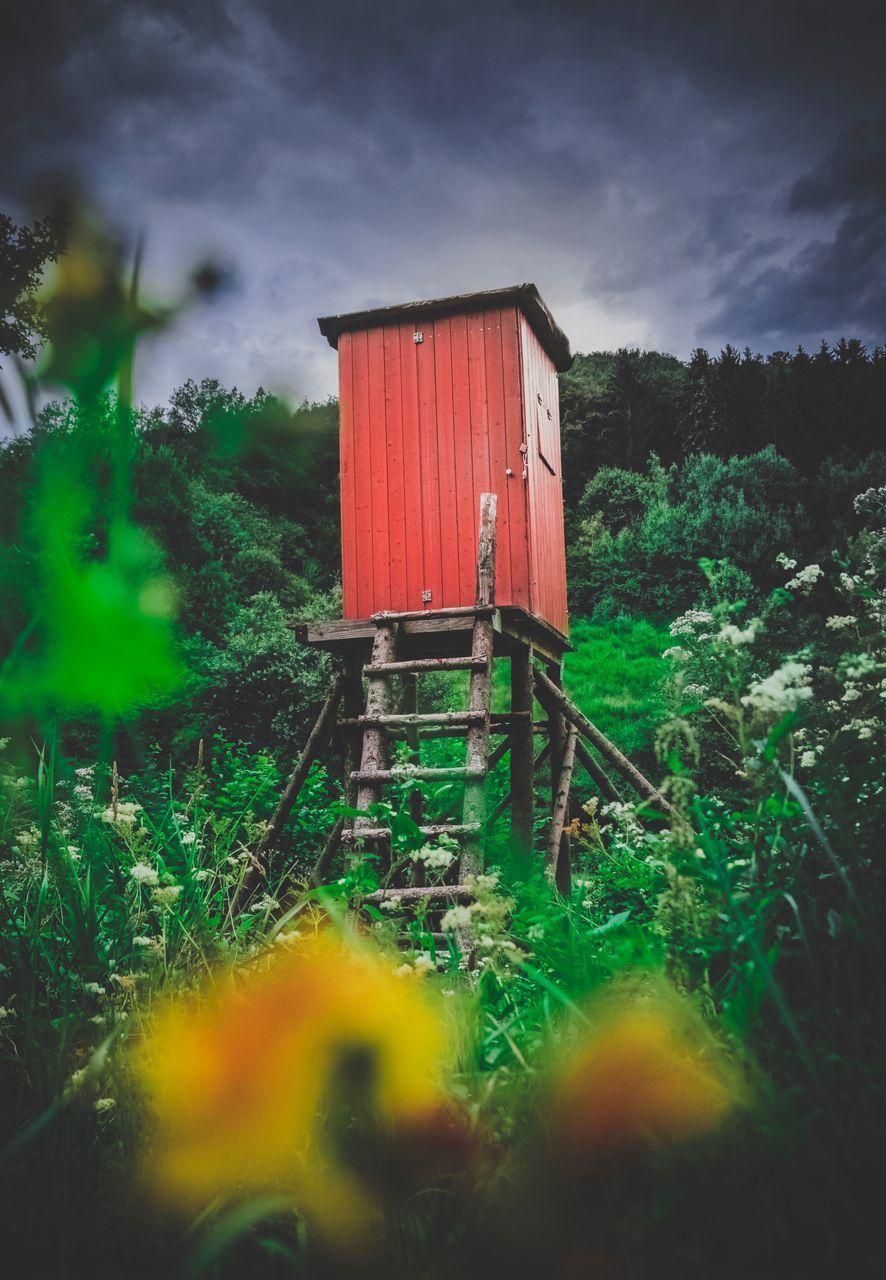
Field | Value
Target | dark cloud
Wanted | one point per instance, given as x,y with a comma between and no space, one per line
835,283
664,170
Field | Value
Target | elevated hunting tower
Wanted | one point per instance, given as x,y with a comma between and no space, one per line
440,402
452,557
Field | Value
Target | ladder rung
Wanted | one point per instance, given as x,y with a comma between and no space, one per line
402,773
441,829
415,893
414,719
424,664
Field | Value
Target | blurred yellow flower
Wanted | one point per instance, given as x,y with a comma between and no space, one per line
648,1075
285,1077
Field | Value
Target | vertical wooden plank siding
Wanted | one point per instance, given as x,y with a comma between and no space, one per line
397,531
365,553
498,450
411,471
450,592
516,531
430,475
379,461
425,429
347,461
547,552
467,491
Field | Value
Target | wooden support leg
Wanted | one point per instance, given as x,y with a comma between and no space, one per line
558,739
257,874
379,701
558,868
522,751
352,703
477,756
409,705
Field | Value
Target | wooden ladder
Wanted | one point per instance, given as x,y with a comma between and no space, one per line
381,716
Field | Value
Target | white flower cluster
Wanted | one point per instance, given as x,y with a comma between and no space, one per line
167,894
806,578
687,622
127,811
781,692
457,917
729,633
676,653
435,858
143,874
863,729
785,561
839,622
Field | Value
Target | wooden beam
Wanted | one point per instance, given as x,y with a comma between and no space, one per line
258,872
597,775
477,755
548,691
505,801
522,749
454,892
379,701
558,869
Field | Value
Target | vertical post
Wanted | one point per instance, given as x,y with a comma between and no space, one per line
481,690
353,707
379,701
522,752
558,738
558,869
409,704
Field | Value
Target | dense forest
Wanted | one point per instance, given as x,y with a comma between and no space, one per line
674,1066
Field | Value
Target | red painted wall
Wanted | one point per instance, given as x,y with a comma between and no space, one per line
426,427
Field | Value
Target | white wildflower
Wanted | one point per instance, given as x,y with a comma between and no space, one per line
189,838
695,690
729,633
840,621
851,694
103,1105
85,772
266,903
167,894
457,917
94,988
781,692
142,941
675,653
202,874
687,622
83,792
125,815
143,874
806,578
807,760
785,561
437,859
390,904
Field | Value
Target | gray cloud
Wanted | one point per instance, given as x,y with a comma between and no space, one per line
665,172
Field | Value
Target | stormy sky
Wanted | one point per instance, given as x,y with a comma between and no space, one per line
670,173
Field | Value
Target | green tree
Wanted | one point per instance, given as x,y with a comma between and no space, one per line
24,252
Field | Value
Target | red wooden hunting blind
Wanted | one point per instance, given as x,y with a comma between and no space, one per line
442,401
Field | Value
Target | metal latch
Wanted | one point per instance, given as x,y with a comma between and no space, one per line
418,336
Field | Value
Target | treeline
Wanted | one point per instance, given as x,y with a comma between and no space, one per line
240,499
620,407
731,457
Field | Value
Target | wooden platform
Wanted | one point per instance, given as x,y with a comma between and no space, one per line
440,631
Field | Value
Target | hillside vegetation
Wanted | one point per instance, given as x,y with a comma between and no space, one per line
674,1068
